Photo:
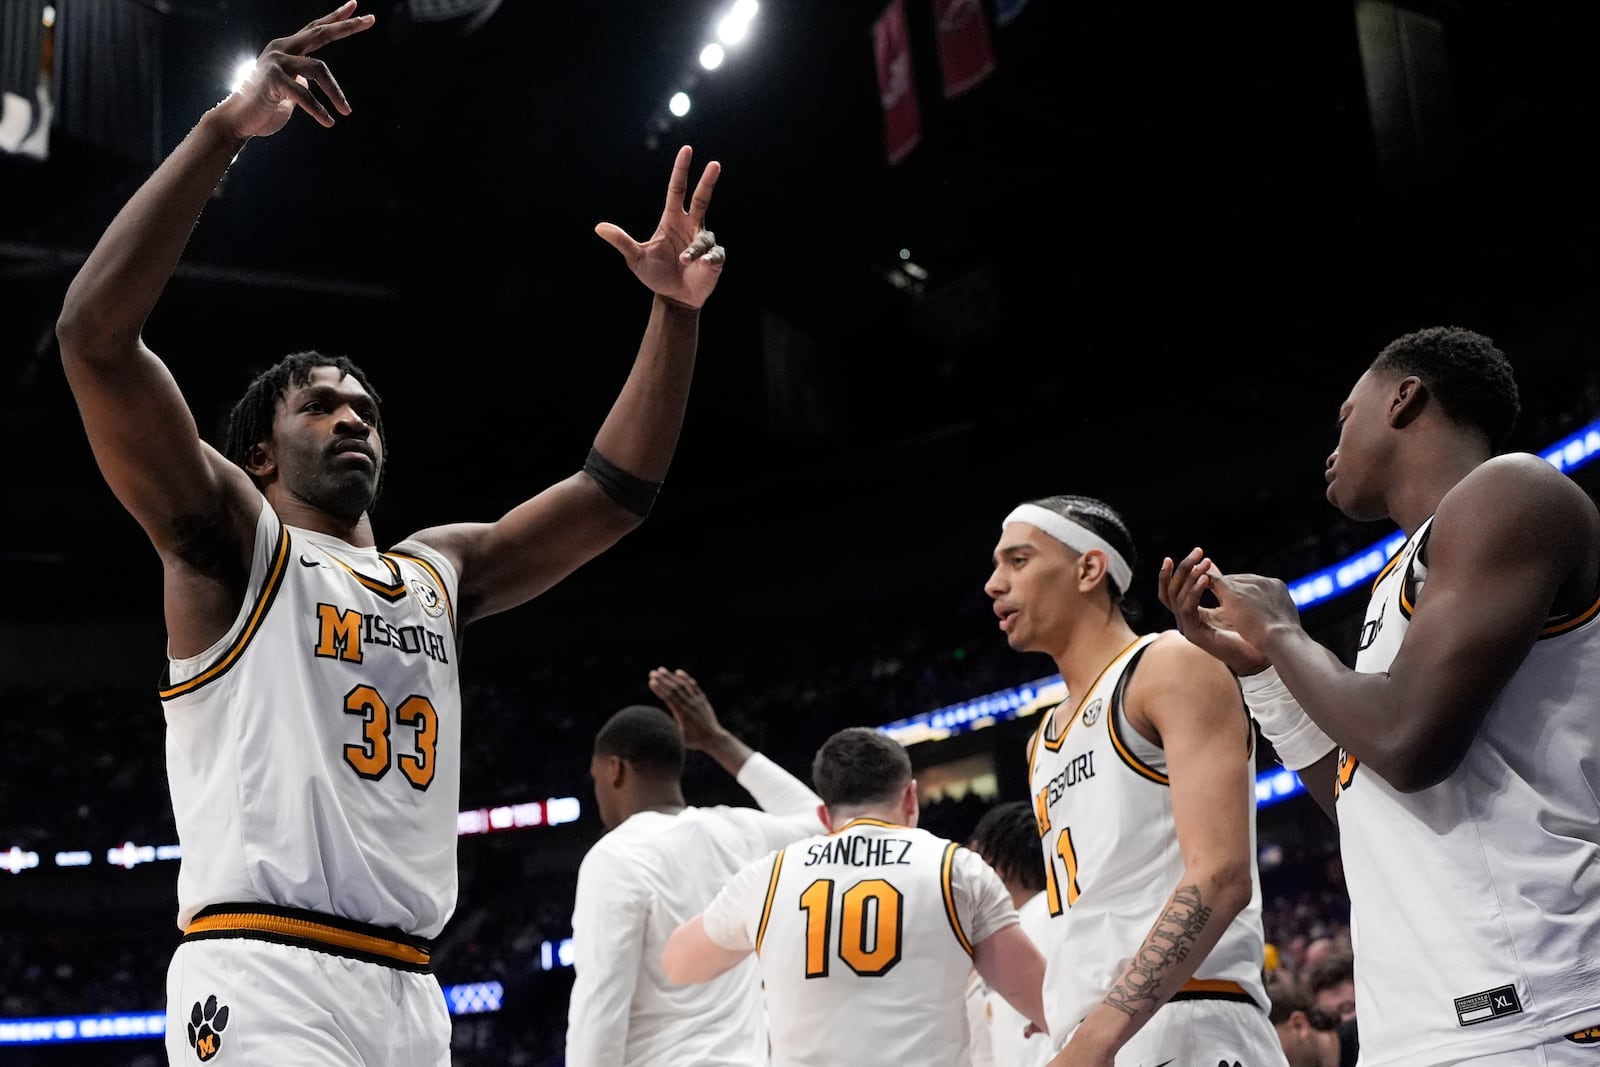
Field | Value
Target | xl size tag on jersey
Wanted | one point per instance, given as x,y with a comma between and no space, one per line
1491,1004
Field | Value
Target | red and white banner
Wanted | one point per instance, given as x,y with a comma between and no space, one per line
965,57
897,89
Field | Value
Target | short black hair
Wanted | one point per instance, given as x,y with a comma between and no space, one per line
1102,519
645,736
1007,837
859,766
250,421
1470,377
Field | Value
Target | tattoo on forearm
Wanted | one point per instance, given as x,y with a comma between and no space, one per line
1168,944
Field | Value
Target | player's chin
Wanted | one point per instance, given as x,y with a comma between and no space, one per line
350,495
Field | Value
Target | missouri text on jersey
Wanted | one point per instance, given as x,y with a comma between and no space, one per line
1080,768
341,634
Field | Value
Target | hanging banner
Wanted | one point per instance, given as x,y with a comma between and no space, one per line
891,45
965,57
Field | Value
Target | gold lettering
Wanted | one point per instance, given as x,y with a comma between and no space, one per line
339,633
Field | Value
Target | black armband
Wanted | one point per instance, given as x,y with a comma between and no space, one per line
627,491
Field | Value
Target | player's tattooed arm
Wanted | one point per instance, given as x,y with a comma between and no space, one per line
1138,992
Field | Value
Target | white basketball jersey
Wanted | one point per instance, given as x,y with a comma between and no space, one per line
1475,904
1104,808
314,751
865,942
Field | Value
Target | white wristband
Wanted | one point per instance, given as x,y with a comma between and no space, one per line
1297,740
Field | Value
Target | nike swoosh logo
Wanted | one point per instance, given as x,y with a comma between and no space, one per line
317,563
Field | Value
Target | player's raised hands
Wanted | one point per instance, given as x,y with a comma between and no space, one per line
285,73
681,261
684,699
1245,602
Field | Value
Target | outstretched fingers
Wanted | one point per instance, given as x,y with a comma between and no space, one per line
336,25
702,192
678,187
678,184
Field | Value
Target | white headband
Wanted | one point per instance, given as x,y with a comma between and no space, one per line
1078,538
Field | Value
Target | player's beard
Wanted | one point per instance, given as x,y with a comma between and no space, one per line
346,494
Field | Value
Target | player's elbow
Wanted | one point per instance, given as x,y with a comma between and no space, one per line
1226,886
1420,761
1414,772
72,334
86,341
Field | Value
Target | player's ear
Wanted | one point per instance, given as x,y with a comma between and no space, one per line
1091,565
1409,398
909,803
259,461
822,814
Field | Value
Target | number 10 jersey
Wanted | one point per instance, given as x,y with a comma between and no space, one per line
865,938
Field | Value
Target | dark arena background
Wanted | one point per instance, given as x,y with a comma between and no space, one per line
1137,251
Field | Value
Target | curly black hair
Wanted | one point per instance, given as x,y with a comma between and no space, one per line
250,420
1007,837
1470,377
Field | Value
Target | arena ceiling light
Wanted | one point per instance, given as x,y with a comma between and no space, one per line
734,27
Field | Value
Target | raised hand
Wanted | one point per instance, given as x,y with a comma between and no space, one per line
1181,588
681,261
285,72
696,717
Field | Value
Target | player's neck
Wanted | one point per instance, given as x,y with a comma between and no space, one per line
883,813
1092,644
665,798
296,512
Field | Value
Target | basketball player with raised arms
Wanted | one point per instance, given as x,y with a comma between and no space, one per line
865,935
1461,753
311,694
1143,785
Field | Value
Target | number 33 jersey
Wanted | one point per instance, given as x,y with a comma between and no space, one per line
865,940
314,751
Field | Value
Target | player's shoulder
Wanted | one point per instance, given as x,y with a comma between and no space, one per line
1519,486
1172,657
1176,677
1515,501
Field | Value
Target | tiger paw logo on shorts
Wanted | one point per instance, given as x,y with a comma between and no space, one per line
205,1027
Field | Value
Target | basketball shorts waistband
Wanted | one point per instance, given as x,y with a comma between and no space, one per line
1213,989
314,930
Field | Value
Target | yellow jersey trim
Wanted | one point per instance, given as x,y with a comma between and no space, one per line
444,590
864,821
950,897
269,590
772,891
310,933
